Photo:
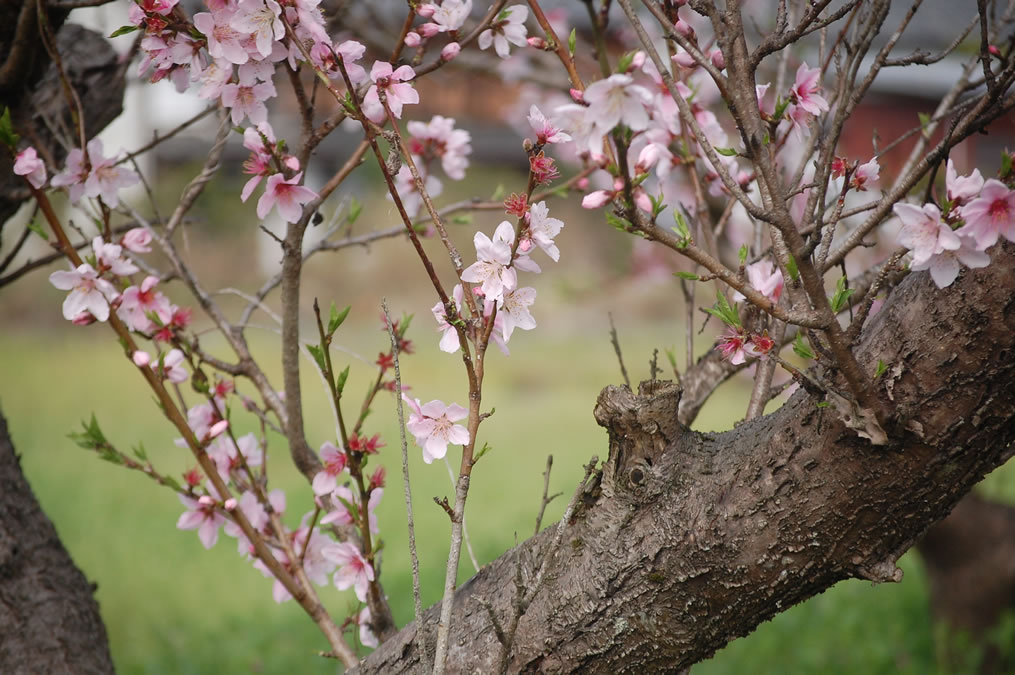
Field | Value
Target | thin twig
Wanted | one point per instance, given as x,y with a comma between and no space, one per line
545,500
616,348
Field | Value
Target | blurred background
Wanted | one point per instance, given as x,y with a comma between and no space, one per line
172,607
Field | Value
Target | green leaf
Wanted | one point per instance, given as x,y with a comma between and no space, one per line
108,454
337,318
671,356
726,152
619,223
791,268
318,355
1006,161
140,452
840,299
742,254
823,404
572,40
123,30
730,315
881,369
498,193
687,275
780,108
171,482
681,229
404,323
486,448
462,219
801,348
624,64
7,135
342,377
355,208
91,436
37,229
924,119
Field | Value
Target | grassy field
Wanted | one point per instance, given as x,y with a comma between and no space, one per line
172,607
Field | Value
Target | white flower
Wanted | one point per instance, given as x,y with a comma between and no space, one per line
509,26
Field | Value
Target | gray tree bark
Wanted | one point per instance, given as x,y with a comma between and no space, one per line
691,540
49,620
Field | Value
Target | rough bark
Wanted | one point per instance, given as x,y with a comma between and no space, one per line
970,561
694,539
48,618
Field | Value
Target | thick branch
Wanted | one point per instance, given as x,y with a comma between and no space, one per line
691,540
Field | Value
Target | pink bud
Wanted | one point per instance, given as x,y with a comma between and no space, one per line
412,39
577,96
525,245
428,30
597,199
292,162
83,319
537,42
638,61
140,358
450,51
230,504
426,11
583,183
684,60
205,500
994,51
684,29
137,240
217,428
642,201
718,60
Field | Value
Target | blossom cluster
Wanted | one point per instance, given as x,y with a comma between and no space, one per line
974,215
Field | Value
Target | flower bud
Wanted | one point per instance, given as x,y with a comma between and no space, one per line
428,30
684,28
426,10
217,428
412,39
230,504
684,60
718,60
994,51
577,96
137,240
450,51
140,358
638,61
597,199
537,42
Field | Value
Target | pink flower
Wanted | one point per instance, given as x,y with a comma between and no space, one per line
138,302
546,132
109,258
366,636
104,179
543,229
203,516
352,51
806,88
865,174
88,293
396,89
991,214
944,267
962,188
287,195
170,367
493,267
616,100
259,163
334,460
433,425
353,569
246,98
449,334
765,278
224,41
28,164
440,139
137,240
261,19
451,14
923,232
508,27
516,311
579,123
732,346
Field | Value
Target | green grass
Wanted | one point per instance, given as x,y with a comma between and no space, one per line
172,607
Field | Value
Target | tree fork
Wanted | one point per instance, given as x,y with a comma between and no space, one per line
715,533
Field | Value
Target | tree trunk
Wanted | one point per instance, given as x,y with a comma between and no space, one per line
691,540
49,621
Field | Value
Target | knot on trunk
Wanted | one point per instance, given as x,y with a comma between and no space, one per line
641,426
